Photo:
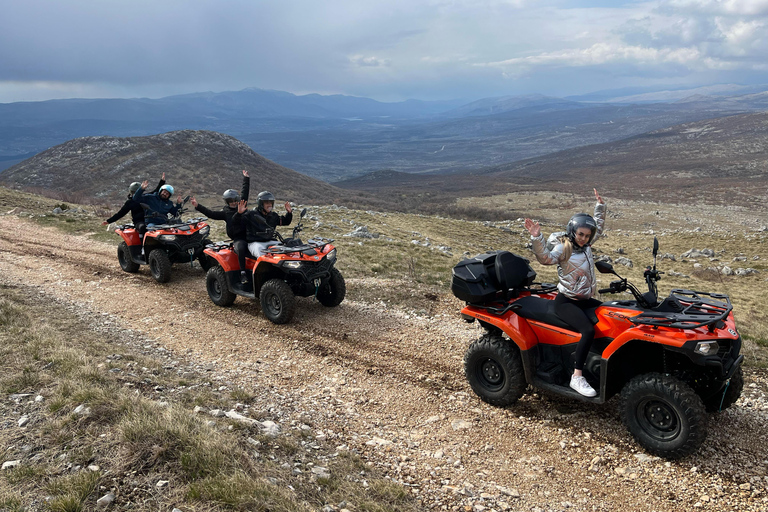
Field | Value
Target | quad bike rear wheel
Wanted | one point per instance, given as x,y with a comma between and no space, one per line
728,397
124,257
333,291
494,370
218,290
664,415
160,265
277,301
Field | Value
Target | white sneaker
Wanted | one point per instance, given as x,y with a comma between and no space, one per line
581,386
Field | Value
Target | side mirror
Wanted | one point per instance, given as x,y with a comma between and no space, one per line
184,201
655,246
604,267
303,213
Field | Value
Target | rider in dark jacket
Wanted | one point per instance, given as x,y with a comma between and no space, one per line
137,212
159,204
261,222
235,229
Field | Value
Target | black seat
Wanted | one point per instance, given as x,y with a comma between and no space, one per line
543,310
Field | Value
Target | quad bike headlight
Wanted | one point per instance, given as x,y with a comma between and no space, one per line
707,348
205,230
292,264
167,238
331,255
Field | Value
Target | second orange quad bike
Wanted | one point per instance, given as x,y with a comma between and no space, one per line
288,269
671,361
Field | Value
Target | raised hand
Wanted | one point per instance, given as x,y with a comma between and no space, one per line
597,196
242,206
144,184
533,227
245,173
193,201
179,199
163,177
288,206
104,223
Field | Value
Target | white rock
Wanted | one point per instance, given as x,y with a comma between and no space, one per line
10,464
271,428
23,421
239,417
105,500
461,424
161,483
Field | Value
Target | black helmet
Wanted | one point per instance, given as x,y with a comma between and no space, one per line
133,187
264,197
581,220
231,196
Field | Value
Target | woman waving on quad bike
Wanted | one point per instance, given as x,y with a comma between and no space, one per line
577,281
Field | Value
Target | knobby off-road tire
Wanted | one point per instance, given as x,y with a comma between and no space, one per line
664,415
218,289
494,370
277,301
333,291
160,265
721,401
124,257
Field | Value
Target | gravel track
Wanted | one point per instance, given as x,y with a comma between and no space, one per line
388,384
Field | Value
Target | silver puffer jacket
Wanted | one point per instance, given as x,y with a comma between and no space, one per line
577,275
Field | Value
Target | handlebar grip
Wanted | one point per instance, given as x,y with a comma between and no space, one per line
605,290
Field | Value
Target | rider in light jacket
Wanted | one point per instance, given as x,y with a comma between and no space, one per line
577,280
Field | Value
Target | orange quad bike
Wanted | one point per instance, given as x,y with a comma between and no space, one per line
671,360
177,241
286,270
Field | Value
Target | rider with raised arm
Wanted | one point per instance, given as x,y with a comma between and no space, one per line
137,212
159,204
577,281
235,229
260,223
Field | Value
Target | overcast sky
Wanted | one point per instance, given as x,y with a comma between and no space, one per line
387,49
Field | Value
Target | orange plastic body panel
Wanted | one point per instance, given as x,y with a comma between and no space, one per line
613,322
130,235
227,258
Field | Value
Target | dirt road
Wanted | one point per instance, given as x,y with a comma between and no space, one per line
389,384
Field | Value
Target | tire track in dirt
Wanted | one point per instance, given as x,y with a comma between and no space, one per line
365,371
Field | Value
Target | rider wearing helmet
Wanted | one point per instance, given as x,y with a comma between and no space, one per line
260,223
235,229
137,212
158,204
577,281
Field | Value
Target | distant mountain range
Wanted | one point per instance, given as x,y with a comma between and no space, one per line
337,137
714,161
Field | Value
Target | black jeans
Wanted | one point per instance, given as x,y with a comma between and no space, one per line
571,311
241,249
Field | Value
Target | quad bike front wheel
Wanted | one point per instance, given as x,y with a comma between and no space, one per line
494,370
218,289
664,415
333,291
277,301
728,396
124,257
160,265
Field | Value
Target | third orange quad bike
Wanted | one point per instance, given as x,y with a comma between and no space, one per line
671,360
176,241
287,269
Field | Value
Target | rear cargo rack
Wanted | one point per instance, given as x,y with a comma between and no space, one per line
696,309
